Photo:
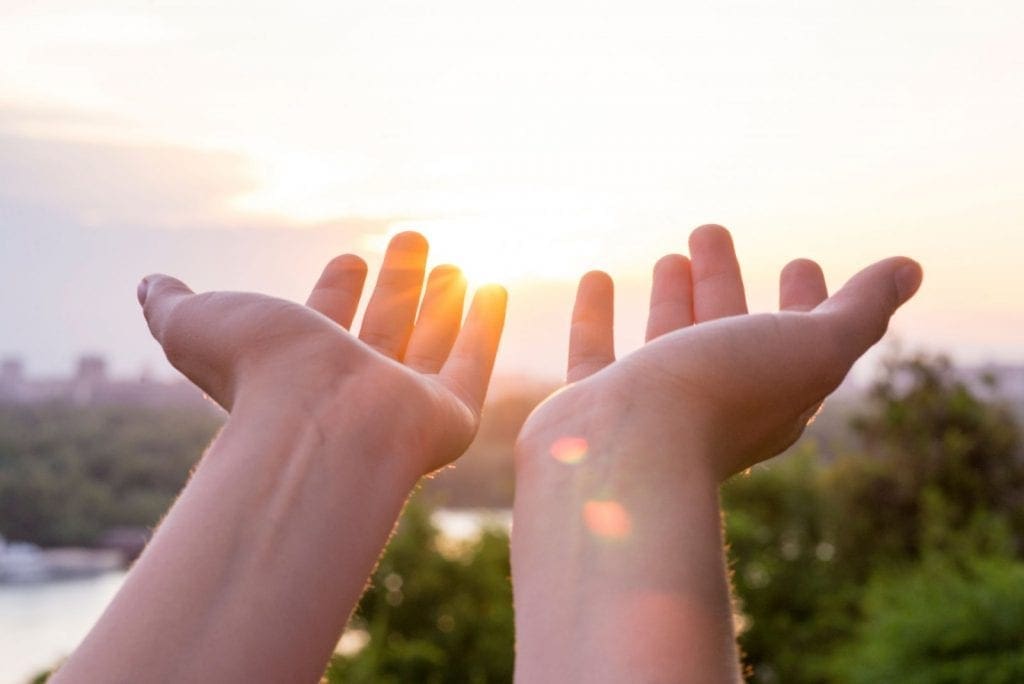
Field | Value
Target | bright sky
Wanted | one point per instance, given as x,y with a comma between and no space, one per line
238,144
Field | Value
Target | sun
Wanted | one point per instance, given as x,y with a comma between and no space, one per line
510,250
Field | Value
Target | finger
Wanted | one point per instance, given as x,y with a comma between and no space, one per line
467,371
591,344
859,313
801,286
159,295
389,317
336,294
439,320
717,283
671,296
189,335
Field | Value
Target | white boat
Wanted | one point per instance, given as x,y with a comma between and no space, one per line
22,563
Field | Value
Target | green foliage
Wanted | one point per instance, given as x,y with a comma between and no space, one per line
791,588
940,440
437,611
941,623
69,473
899,561
940,475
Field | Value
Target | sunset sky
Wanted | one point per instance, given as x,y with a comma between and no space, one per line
242,144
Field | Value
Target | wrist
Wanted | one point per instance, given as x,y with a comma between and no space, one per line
574,435
276,531
330,430
617,542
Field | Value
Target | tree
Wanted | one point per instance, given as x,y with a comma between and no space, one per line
939,474
436,611
69,473
942,622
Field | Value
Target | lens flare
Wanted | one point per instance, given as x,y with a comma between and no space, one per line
569,449
607,519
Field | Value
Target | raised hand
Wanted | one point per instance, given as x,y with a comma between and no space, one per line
741,387
252,574
425,375
616,546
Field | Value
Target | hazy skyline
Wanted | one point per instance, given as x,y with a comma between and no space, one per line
240,145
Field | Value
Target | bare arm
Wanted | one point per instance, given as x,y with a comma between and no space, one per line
254,571
617,558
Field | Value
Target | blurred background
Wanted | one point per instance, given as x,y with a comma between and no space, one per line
241,145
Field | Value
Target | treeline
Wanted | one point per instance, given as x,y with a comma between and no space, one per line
69,473
897,562
898,558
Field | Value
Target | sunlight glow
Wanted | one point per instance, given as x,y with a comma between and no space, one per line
569,449
506,249
532,145
607,519
352,642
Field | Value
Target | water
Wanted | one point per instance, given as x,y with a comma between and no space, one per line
42,623
466,523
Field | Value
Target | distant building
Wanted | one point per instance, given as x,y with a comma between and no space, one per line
91,384
12,372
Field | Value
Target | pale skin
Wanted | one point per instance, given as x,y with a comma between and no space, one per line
617,552
257,566
617,556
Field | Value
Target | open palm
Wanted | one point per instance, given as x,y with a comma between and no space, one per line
739,388
421,377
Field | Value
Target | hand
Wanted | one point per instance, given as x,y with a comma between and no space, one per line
617,556
419,381
253,572
713,380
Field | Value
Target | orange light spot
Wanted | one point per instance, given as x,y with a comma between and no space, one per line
569,449
607,519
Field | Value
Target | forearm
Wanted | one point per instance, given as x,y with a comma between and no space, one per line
253,574
619,578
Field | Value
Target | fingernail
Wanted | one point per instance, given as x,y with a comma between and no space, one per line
141,290
908,279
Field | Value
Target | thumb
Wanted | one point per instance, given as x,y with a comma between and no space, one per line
861,310
185,333
159,295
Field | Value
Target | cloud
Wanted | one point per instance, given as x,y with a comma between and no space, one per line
82,220
108,184
71,164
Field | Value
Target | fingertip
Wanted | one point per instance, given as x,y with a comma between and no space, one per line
673,262
861,309
595,295
492,293
801,268
409,241
342,268
801,285
346,262
709,233
140,291
447,272
596,280
159,285
162,293
908,278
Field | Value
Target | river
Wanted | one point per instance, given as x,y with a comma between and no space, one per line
42,623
